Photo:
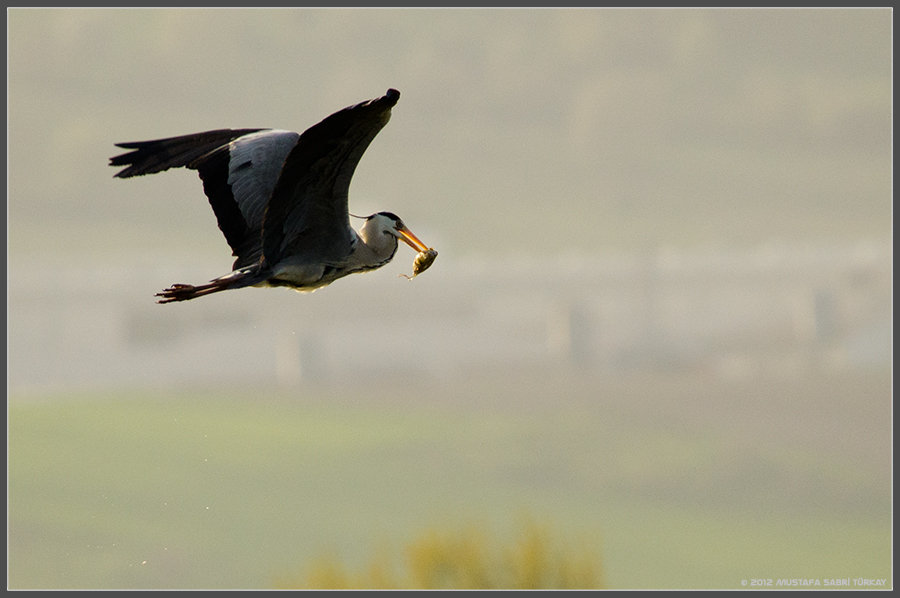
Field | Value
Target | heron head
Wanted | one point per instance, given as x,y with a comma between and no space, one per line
387,223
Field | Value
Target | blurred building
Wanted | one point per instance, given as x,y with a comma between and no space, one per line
776,309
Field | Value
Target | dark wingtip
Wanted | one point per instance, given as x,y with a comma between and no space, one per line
391,97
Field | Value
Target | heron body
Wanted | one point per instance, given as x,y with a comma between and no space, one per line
281,199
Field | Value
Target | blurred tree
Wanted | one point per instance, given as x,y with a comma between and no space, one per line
465,559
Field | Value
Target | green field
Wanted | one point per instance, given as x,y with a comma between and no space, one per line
673,482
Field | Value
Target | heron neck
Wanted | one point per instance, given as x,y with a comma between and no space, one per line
374,249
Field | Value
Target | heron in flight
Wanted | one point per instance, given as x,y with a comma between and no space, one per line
280,199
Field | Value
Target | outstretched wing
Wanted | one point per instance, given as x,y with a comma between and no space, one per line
307,215
239,169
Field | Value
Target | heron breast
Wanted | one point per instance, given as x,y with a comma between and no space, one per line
303,277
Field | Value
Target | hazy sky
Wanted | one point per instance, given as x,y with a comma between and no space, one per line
538,131
524,132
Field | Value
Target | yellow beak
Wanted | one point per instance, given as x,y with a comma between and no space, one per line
410,239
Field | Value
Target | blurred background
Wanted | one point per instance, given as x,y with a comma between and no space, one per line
660,323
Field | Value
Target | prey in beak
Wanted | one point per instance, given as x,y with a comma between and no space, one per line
424,258
388,223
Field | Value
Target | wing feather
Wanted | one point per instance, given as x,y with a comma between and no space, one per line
149,157
307,216
239,169
255,164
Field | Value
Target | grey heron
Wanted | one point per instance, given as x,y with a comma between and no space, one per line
281,199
